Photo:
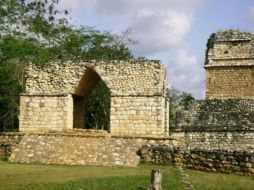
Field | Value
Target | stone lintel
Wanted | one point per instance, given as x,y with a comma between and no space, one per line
233,40
230,64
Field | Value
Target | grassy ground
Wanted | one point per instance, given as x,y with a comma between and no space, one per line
216,181
28,176
35,176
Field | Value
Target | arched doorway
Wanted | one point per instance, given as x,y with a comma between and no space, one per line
91,102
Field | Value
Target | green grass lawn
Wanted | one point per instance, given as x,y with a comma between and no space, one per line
217,181
30,176
36,176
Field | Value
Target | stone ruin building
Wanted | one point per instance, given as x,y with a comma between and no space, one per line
55,94
215,134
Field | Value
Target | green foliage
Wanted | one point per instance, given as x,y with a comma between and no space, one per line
97,108
23,51
209,45
176,100
9,90
3,159
185,99
210,41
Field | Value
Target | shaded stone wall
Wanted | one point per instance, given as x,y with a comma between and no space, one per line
200,159
78,112
216,115
230,65
80,149
137,89
216,124
8,142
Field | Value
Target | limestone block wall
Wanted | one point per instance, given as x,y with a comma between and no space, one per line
45,113
139,116
230,65
230,82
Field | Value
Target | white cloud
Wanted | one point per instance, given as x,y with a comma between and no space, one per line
157,25
186,72
159,31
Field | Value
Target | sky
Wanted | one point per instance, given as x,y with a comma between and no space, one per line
173,31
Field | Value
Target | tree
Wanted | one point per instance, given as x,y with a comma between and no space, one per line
36,31
177,99
97,108
9,90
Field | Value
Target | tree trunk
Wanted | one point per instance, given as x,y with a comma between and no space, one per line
156,179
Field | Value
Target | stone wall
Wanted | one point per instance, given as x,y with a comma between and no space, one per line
216,135
103,149
216,115
82,149
238,140
131,77
230,65
54,96
230,82
128,115
8,142
45,112
138,116
216,124
200,159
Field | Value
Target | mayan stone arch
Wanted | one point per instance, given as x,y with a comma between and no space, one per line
54,94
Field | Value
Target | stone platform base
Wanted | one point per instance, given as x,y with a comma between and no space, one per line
82,149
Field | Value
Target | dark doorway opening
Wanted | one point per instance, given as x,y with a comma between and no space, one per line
91,103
